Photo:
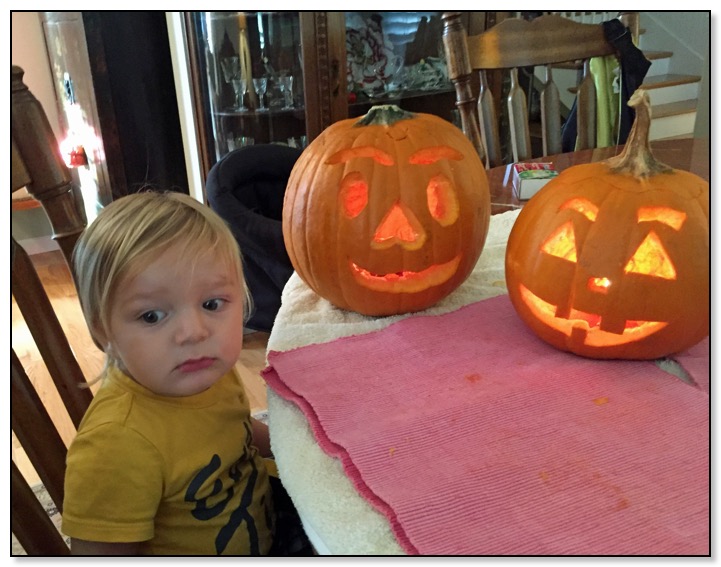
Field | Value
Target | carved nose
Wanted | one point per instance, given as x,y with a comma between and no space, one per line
399,226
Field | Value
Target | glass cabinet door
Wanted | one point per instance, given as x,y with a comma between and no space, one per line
251,84
252,79
397,58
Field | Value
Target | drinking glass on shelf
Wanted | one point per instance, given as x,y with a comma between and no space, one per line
300,142
260,86
231,68
235,142
239,88
286,87
393,76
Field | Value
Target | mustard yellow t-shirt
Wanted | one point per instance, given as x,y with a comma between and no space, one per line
179,474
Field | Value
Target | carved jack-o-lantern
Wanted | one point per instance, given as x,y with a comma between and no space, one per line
611,259
386,214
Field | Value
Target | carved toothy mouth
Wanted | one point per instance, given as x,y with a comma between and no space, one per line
585,328
406,281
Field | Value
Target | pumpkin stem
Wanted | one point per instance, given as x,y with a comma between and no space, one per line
637,158
384,115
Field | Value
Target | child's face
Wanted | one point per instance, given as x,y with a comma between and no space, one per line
177,326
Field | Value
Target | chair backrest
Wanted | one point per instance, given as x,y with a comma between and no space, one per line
36,164
514,43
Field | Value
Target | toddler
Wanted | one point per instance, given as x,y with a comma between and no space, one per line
167,459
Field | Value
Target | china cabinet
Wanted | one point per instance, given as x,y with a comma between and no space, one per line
283,77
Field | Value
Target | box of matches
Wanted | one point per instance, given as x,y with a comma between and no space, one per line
528,178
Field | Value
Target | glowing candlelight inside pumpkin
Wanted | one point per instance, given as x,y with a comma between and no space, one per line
399,226
651,259
600,285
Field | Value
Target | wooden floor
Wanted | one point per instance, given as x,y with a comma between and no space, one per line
57,281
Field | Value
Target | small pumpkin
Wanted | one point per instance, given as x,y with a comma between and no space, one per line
611,259
388,213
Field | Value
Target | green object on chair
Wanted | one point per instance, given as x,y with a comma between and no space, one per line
606,74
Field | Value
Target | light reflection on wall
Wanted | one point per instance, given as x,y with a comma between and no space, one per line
81,134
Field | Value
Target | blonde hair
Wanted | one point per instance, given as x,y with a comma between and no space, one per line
133,231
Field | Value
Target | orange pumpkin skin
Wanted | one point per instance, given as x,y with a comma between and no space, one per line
386,214
594,294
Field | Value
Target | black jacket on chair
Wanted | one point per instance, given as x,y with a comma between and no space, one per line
246,188
634,67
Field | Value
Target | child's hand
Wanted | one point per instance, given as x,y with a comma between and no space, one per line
261,437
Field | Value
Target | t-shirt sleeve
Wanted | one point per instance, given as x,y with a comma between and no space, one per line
113,486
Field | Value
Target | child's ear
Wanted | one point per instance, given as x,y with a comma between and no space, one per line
99,338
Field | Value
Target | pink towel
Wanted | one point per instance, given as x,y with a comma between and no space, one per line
475,437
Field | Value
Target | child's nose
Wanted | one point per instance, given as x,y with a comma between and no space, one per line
192,327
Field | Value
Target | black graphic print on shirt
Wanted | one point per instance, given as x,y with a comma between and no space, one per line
238,517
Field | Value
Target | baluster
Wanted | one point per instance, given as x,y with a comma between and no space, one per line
50,179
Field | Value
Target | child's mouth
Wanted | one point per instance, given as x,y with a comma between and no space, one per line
196,364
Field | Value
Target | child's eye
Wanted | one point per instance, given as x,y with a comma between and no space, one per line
213,304
152,317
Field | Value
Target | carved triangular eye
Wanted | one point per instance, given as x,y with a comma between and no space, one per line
651,259
562,243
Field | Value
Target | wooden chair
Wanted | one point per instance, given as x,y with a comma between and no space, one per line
511,44
36,163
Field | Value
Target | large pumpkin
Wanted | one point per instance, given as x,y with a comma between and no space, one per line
611,259
388,213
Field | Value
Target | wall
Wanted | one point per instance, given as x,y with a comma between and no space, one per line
28,51
684,33
688,35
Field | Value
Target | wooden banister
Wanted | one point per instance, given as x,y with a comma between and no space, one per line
37,149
